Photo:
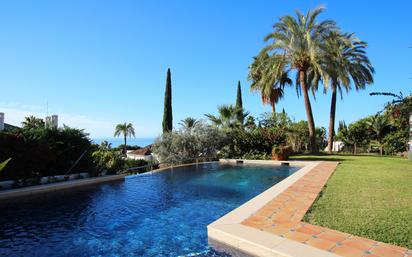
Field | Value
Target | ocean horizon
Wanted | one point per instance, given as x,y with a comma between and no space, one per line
142,142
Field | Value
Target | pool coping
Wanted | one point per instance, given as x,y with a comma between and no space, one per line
229,231
58,186
28,191
270,224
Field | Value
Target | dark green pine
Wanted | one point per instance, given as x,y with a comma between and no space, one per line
239,103
167,114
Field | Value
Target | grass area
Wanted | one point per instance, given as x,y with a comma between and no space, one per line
368,196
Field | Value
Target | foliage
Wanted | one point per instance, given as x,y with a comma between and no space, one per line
228,117
167,124
281,152
125,129
345,61
264,80
107,160
188,123
4,163
182,145
298,136
250,122
32,122
398,112
379,126
296,44
239,104
40,151
255,141
355,135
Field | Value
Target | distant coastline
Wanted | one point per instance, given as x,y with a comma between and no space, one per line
130,141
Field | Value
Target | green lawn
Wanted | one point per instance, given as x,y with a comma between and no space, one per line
368,196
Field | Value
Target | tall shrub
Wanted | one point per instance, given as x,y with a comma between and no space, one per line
167,115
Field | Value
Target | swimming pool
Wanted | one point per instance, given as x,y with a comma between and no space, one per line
159,214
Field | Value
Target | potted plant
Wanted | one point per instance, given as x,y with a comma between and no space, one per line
280,153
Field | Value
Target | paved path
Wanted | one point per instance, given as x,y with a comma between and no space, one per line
282,216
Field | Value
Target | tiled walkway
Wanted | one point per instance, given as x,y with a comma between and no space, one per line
282,216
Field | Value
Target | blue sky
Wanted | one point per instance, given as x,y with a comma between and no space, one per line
98,63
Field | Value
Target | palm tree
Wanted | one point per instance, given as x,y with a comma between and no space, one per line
345,62
127,130
296,45
32,122
188,123
265,82
379,125
228,117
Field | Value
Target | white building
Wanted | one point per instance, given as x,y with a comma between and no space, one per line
140,154
1,121
337,146
52,121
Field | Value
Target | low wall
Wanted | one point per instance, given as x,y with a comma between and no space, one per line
49,188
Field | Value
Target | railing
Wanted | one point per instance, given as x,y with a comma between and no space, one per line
169,164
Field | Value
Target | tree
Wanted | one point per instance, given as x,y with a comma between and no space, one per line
250,122
204,141
358,134
270,87
125,129
228,117
379,124
297,45
345,62
239,103
106,159
188,123
167,115
32,122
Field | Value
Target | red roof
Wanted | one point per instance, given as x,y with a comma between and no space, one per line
143,151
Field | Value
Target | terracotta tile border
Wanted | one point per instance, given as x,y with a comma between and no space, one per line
270,224
282,216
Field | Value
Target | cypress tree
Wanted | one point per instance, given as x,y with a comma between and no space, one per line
239,103
167,113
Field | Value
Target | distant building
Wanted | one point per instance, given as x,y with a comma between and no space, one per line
4,126
52,121
337,146
1,121
140,154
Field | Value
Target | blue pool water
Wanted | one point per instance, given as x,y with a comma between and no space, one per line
160,214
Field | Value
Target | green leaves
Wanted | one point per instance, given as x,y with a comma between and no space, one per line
3,164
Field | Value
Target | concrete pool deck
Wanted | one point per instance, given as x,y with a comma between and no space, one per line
270,224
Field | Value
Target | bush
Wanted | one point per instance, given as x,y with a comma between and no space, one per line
183,145
38,152
132,163
108,160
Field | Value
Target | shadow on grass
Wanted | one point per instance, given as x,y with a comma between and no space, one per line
333,157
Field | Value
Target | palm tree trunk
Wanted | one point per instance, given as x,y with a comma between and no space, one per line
124,147
354,148
381,149
332,120
309,114
273,109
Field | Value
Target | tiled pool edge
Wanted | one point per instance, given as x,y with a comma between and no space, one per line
266,231
229,231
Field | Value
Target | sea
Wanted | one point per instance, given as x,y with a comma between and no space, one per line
142,142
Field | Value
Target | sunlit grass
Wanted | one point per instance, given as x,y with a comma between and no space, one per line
368,196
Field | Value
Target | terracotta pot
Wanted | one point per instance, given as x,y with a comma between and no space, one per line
279,157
